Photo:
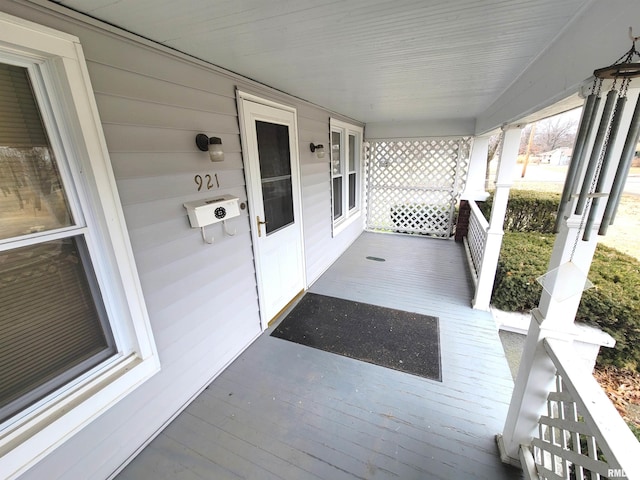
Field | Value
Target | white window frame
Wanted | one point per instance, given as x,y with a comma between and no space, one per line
348,216
61,84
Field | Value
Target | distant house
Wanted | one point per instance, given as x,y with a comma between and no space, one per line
559,156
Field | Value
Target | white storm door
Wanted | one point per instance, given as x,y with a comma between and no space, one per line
269,138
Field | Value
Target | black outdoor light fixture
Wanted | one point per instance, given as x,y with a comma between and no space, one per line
213,145
317,149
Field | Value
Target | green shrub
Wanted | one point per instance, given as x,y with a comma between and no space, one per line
523,258
613,305
527,211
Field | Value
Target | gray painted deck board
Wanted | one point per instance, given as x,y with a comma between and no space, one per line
285,411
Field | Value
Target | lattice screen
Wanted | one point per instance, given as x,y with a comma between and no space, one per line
565,447
413,185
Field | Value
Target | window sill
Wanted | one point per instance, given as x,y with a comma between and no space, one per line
31,438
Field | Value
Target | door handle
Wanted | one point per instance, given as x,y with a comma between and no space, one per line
260,223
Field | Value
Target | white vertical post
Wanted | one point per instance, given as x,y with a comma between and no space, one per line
555,318
506,167
474,186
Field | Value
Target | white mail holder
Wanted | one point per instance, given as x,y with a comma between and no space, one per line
213,210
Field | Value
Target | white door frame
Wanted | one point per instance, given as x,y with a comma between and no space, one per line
252,179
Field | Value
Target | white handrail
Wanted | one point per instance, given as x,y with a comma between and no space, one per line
477,213
476,239
595,420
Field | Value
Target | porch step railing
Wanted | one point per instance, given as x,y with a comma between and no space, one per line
476,239
581,436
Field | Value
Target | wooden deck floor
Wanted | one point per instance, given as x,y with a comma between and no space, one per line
285,411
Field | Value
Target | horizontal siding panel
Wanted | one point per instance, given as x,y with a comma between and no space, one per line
150,189
195,271
148,164
133,138
145,214
180,245
203,285
202,307
116,82
208,322
159,234
126,111
317,184
125,55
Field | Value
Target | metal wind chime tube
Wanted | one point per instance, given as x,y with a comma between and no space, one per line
623,170
589,113
605,160
593,183
595,152
594,180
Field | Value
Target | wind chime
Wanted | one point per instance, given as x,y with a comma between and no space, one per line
591,190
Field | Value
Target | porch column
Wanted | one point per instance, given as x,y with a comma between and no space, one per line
474,186
555,317
504,180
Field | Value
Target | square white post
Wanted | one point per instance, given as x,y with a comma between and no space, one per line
474,186
506,168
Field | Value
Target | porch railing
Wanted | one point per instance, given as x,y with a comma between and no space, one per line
476,239
581,436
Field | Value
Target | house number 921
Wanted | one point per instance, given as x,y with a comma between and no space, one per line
206,181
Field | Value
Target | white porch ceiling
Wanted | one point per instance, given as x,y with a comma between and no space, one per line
373,60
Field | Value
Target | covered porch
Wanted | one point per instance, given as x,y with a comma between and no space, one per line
282,410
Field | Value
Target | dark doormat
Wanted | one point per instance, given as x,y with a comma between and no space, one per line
404,341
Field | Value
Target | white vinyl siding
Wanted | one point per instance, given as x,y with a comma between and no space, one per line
201,299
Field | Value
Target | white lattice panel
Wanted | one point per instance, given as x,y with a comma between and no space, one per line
413,186
565,447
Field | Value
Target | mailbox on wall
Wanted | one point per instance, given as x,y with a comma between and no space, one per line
207,212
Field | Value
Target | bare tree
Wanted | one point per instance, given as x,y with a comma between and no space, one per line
555,132
524,139
494,144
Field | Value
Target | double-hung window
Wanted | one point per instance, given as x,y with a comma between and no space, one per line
74,333
346,173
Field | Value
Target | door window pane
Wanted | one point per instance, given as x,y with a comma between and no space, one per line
32,198
278,203
273,149
275,172
52,322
